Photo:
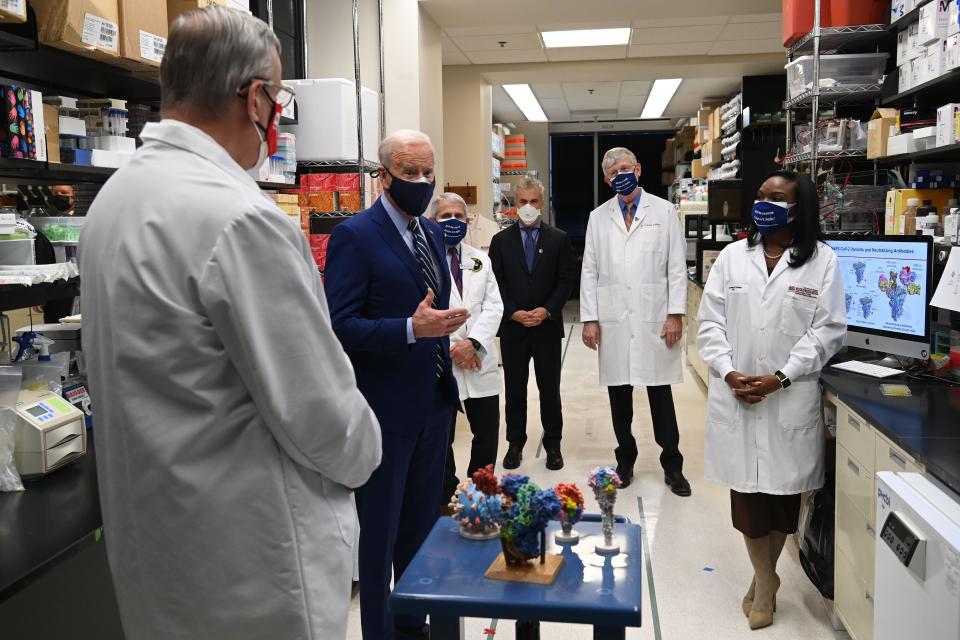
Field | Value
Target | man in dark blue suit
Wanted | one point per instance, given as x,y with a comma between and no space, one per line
388,290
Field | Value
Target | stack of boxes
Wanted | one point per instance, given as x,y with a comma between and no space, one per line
930,47
711,141
71,130
289,203
106,132
515,153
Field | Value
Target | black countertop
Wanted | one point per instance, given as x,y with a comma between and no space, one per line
56,516
925,425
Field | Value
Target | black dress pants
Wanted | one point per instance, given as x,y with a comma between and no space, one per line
665,430
484,417
546,352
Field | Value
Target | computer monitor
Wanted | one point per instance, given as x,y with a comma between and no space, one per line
888,284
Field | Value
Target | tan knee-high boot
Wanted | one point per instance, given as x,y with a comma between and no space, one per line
777,541
761,613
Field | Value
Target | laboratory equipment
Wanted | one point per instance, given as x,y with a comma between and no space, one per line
65,335
917,559
887,290
51,433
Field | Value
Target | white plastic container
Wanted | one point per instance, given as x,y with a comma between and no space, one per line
17,252
835,70
951,224
327,120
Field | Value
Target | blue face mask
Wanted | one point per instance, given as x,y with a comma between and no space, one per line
771,216
454,231
625,183
413,198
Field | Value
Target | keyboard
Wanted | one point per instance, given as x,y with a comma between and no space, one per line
867,369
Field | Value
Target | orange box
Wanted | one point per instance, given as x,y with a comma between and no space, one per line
517,140
515,153
350,201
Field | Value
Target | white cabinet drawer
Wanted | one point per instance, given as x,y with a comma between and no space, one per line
853,603
856,436
890,457
854,482
856,540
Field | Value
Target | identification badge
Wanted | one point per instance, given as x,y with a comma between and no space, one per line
476,267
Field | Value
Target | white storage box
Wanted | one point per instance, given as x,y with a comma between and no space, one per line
914,48
17,252
905,73
845,69
932,61
951,53
953,18
72,126
946,124
934,17
900,144
113,143
327,120
916,72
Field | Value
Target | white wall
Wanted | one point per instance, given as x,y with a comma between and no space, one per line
431,89
468,133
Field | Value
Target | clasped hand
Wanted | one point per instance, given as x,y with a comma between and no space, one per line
465,355
752,389
530,319
436,323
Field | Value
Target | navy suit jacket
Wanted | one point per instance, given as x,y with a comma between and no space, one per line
373,285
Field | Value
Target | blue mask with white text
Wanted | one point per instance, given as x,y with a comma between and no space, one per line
454,231
625,183
771,216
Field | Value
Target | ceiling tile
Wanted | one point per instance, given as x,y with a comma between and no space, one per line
632,106
677,49
600,89
492,43
757,17
751,31
573,54
747,47
635,88
506,57
509,29
452,55
583,24
546,91
555,108
593,102
658,35
643,23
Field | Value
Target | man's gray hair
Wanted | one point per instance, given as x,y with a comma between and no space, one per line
529,182
615,155
446,197
399,138
212,54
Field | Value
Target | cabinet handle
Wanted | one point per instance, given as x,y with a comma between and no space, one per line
853,467
868,598
853,423
871,531
898,460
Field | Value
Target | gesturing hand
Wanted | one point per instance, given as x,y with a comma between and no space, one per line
741,390
591,335
436,323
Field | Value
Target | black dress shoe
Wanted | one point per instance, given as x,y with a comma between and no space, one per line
554,460
405,633
626,476
678,484
513,458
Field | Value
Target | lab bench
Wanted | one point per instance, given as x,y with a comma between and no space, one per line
878,433
54,577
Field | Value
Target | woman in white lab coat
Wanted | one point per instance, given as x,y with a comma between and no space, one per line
771,317
473,347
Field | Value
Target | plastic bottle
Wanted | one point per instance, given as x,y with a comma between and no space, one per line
927,219
951,226
908,221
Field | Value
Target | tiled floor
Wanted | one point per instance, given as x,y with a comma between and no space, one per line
700,566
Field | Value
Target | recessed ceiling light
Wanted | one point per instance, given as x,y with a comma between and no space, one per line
586,38
523,97
660,96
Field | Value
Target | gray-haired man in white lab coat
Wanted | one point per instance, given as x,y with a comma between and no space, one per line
229,425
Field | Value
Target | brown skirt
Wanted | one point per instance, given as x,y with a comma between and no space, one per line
755,515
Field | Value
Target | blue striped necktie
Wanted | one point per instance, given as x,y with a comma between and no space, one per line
422,252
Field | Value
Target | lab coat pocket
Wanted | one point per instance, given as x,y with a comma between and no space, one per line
723,409
800,405
796,315
339,499
611,306
650,238
653,302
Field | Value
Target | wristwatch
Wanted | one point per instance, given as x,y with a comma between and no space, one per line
476,345
784,380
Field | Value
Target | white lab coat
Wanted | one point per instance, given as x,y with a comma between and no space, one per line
481,297
793,321
229,424
631,281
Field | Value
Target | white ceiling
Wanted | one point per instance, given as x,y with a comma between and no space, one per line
677,29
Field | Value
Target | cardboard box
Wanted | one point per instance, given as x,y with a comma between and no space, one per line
903,47
898,9
934,17
176,7
143,31
51,120
13,11
914,48
946,124
897,204
17,134
88,27
882,124
698,170
710,153
703,123
716,132
932,62
916,72
951,53
904,75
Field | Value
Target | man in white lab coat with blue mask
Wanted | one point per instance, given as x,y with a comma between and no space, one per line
633,295
229,425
